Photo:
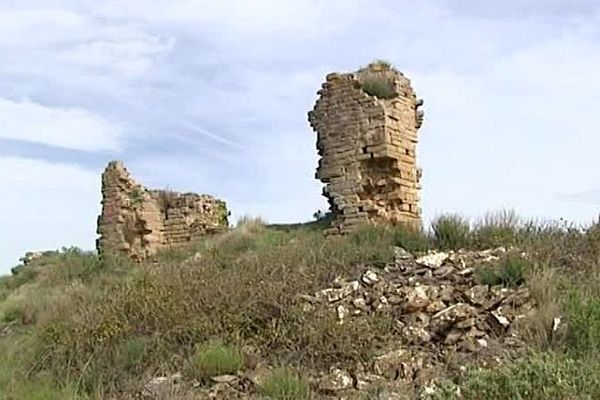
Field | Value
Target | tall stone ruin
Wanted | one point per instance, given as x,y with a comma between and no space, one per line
366,124
138,222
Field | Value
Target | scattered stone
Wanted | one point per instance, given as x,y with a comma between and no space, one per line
401,254
342,313
335,381
160,386
335,294
433,260
416,299
224,378
370,278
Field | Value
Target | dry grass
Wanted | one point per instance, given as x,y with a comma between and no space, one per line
102,326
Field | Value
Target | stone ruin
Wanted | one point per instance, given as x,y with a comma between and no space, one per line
367,144
138,222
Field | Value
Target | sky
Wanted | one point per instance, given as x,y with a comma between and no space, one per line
212,97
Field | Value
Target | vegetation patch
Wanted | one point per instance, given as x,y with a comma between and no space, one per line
508,272
285,384
451,231
215,358
379,85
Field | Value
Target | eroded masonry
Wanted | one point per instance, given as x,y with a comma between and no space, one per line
138,222
366,124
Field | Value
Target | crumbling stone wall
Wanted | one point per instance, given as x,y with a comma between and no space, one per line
367,146
138,222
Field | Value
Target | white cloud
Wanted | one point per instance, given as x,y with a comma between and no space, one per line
308,18
71,128
45,206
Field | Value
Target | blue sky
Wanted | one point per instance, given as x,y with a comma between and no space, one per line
212,97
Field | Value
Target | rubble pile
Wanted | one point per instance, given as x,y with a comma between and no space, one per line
442,312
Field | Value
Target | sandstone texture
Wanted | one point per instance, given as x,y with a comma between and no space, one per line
367,146
138,222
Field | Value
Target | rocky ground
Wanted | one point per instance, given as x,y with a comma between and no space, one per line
446,318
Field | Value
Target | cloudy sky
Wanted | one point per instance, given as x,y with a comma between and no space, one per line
211,96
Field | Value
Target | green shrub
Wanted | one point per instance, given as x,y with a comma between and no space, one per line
379,86
284,384
12,312
584,323
23,276
509,272
451,231
411,240
215,358
539,377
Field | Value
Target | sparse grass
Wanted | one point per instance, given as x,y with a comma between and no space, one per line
11,312
509,272
102,325
451,231
285,384
411,240
495,229
215,358
132,353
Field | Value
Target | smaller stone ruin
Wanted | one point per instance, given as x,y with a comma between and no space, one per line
138,222
366,124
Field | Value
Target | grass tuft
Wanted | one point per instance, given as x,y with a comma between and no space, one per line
509,272
451,231
284,384
215,358
379,86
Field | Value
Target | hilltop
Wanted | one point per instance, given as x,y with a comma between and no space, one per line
500,309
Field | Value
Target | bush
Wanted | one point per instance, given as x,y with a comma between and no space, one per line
451,231
12,312
539,377
584,324
509,272
215,358
379,86
284,384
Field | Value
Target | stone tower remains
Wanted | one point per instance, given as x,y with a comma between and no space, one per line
138,222
366,124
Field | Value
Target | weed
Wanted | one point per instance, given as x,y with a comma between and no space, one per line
509,272
132,353
584,323
540,377
215,358
12,312
410,239
381,87
451,231
284,384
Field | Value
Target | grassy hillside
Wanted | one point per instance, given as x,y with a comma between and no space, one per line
234,306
